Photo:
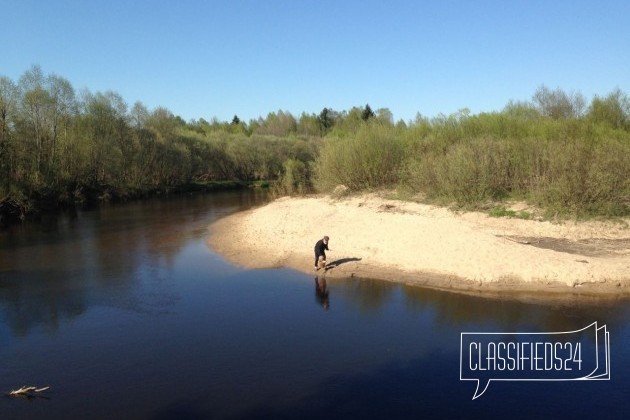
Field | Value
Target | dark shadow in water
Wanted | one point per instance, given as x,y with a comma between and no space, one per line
392,391
396,390
191,409
423,388
340,261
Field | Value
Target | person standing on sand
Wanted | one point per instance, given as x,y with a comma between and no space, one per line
320,255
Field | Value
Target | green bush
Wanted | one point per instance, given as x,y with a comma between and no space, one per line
370,158
295,179
468,172
586,178
567,167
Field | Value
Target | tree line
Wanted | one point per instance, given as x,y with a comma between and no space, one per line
555,151
61,146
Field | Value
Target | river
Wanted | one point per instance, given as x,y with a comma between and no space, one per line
125,312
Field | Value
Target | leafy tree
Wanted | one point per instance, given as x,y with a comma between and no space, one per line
613,110
139,115
295,179
385,116
62,108
8,110
367,113
348,121
278,124
104,126
163,122
558,104
521,109
325,120
308,125
34,117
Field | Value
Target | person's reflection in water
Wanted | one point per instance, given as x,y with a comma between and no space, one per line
321,293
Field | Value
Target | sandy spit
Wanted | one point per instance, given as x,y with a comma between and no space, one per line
372,237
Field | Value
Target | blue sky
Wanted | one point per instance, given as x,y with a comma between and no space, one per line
202,59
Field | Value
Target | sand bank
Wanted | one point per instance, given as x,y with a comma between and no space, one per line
372,237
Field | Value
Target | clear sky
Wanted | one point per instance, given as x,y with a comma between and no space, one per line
209,58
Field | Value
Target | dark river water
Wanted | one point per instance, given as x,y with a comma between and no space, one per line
126,313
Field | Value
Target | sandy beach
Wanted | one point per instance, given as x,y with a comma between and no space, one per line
373,237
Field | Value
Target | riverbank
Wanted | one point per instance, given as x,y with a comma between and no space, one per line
372,237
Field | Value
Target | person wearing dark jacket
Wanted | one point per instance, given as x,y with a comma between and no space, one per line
320,255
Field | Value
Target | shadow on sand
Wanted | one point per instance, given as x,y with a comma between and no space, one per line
337,263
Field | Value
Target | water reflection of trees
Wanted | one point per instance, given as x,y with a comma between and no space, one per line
507,313
514,312
55,271
26,303
40,281
368,295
